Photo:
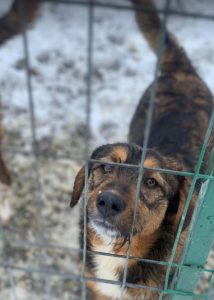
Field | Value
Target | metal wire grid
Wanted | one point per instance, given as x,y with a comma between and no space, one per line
41,244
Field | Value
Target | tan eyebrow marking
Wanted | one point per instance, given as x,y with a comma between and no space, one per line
150,163
119,154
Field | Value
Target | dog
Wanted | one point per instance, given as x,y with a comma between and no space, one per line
181,116
182,111
183,105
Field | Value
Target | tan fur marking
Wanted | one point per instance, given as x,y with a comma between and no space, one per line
140,246
120,154
150,163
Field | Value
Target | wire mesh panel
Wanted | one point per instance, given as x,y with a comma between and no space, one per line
71,82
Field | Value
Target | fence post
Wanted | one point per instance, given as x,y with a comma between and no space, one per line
199,240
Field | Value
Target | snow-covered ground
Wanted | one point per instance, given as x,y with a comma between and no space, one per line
123,66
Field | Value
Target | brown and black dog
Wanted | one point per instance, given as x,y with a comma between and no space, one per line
9,26
183,105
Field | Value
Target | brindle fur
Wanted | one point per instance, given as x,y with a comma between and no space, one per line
183,103
183,106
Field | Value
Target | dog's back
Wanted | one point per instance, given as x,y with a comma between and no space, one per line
183,103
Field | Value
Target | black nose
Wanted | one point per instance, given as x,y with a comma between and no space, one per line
110,204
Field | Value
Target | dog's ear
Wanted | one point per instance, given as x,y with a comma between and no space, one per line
177,204
79,181
78,187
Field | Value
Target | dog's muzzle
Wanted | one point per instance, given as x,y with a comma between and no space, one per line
110,204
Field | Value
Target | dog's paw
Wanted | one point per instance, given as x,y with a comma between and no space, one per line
6,196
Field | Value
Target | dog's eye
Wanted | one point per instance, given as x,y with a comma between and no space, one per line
150,182
106,168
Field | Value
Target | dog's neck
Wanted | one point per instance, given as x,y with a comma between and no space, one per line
140,244
110,267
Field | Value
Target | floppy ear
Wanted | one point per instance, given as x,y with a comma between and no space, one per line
174,217
78,187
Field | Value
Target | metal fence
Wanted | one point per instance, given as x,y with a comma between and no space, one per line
192,264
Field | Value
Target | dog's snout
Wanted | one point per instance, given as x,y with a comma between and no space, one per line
110,204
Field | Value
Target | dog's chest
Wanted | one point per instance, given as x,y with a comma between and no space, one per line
106,267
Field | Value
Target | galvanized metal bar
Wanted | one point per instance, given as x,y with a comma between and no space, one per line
36,165
87,141
188,200
26,244
107,5
199,240
80,158
12,284
211,288
147,131
73,277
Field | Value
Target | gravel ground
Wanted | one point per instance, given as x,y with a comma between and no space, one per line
123,66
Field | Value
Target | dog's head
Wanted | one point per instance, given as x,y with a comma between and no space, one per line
112,191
